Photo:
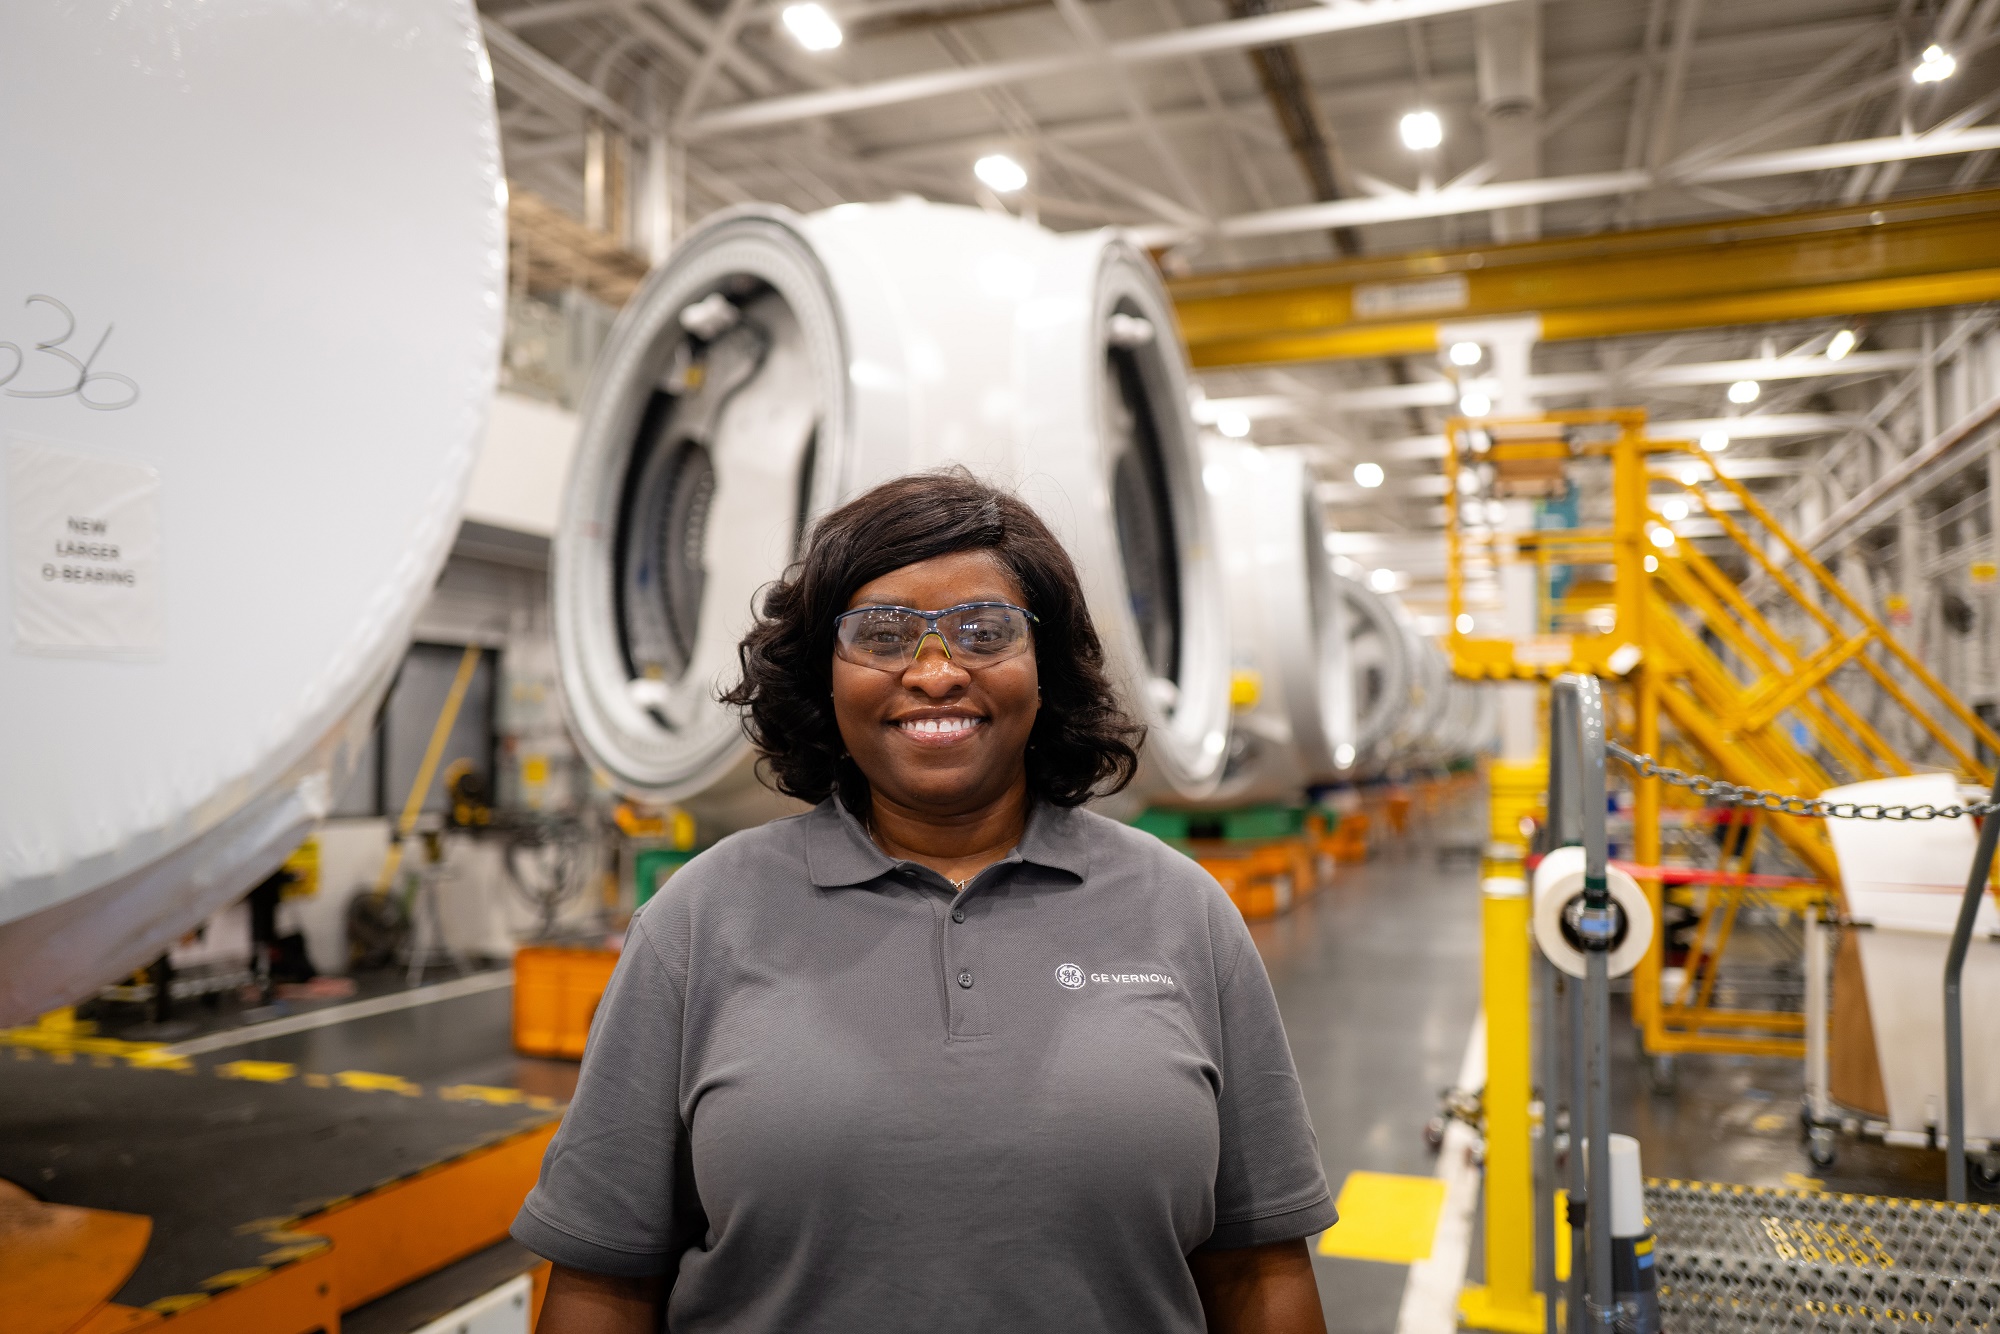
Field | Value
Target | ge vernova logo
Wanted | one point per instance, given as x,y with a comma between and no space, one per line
1073,978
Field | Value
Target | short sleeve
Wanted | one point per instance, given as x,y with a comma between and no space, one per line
1269,1185
616,1194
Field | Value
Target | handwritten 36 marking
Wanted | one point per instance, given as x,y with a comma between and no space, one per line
85,377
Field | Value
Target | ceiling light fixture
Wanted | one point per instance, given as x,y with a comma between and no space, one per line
1745,391
1663,537
1002,174
1383,581
1652,564
1232,424
1466,354
1841,344
1421,130
1474,404
812,27
1673,509
1368,475
1464,622
1714,441
1935,67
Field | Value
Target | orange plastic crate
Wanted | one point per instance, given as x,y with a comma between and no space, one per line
556,991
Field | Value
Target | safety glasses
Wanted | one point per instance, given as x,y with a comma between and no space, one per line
973,634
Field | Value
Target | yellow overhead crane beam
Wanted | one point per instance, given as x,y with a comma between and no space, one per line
1903,255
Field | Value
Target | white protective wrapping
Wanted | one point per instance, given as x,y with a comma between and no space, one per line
252,263
1904,882
1409,709
1377,654
1288,627
778,365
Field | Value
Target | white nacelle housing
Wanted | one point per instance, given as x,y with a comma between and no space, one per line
251,280
778,365
1288,627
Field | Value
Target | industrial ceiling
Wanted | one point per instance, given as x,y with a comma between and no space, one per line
1234,135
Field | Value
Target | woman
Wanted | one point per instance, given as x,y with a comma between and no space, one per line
947,1051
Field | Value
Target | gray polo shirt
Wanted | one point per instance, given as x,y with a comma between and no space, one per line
824,1092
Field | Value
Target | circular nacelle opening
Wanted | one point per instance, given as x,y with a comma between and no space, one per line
1142,502
1175,638
1379,669
717,392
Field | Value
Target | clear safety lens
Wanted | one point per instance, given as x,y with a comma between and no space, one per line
977,634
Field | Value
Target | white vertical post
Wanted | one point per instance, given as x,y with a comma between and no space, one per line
596,175
653,203
1993,555
1817,1099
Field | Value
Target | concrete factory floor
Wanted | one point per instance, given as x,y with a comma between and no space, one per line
1377,978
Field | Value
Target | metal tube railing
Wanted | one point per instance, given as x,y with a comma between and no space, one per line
1576,775
1954,1018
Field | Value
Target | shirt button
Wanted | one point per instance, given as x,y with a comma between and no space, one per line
965,979
958,914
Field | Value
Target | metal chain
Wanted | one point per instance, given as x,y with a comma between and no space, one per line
1813,808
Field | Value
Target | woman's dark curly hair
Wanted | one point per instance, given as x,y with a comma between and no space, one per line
1083,743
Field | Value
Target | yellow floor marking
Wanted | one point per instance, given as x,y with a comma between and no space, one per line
541,1103
156,1057
179,1302
1800,1181
263,1072
287,1254
1384,1216
369,1082
43,1037
1771,1121
480,1093
234,1278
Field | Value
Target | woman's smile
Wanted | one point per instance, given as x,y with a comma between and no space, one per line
938,729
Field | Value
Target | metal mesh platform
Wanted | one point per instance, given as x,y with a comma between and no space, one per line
1746,1260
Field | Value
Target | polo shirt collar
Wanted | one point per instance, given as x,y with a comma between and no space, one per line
839,851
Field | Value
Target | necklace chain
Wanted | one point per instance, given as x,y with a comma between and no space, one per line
869,824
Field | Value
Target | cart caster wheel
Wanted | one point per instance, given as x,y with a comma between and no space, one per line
1821,1149
1434,1133
1986,1172
1664,1074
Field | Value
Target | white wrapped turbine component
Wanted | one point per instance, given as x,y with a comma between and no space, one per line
778,365
251,275
1288,627
1376,657
1409,709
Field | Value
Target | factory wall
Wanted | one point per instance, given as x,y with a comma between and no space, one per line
494,593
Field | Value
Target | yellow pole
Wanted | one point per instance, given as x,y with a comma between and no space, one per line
1630,511
413,805
1508,1302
